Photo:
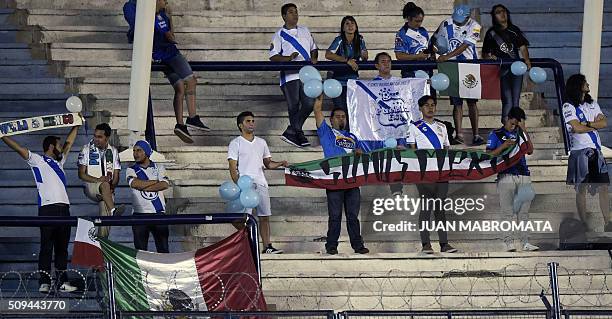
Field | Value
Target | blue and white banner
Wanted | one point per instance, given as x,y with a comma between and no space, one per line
382,109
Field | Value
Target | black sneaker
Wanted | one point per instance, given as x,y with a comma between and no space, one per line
291,139
458,140
302,139
181,131
477,140
196,123
118,210
331,251
362,250
272,250
447,248
427,249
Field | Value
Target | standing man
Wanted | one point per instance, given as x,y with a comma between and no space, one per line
178,71
431,134
512,179
247,155
294,43
99,168
148,181
336,141
461,33
50,178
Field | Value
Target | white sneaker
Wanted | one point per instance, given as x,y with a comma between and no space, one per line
396,194
66,287
510,246
530,247
44,288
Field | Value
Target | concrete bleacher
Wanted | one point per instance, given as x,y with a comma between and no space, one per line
51,48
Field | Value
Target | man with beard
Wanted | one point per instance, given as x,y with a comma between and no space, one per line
50,178
148,181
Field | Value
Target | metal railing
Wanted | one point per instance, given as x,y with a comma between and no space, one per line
259,66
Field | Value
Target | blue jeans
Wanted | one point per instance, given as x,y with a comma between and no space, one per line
350,199
511,86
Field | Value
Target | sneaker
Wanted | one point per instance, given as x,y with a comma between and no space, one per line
510,246
196,123
458,140
291,139
362,250
427,249
66,287
447,248
118,210
303,140
477,140
530,247
396,194
181,131
331,251
272,250
44,288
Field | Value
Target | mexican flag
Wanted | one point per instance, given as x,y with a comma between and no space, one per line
216,278
86,250
471,80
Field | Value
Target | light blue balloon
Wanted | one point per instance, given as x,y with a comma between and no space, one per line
249,198
440,81
234,206
229,190
391,142
420,74
308,73
313,88
245,182
518,68
537,75
441,44
332,88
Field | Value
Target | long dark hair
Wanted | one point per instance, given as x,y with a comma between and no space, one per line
497,26
356,39
573,90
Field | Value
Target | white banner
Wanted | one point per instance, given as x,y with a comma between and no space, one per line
38,123
380,109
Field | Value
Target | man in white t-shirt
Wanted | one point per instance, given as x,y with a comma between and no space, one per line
432,135
586,166
248,155
148,181
50,178
294,43
99,168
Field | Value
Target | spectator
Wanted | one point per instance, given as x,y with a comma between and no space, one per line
349,47
178,71
412,40
294,43
514,178
99,168
586,164
148,181
336,141
502,41
420,137
247,155
50,178
461,33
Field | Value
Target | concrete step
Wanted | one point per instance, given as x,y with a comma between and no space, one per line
26,85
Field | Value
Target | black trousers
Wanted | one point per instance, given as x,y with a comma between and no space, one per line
299,106
53,238
437,192
350,199
160,235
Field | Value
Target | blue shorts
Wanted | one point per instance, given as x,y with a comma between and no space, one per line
177,69
459,101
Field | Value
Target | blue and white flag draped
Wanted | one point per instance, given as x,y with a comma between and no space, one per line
382,109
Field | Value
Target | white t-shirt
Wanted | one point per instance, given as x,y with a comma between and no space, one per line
87,158
282,45
428,135
250,156
468,33
50,179
147,202
585,112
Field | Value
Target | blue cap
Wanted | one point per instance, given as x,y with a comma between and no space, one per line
461,13
146,147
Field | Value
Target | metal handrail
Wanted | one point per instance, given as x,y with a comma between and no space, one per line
254,66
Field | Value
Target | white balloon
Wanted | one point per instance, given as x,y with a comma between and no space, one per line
74,104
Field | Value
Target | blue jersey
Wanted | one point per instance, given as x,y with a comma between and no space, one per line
455,36
411,41
496,139
336,142
338,47
163,50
